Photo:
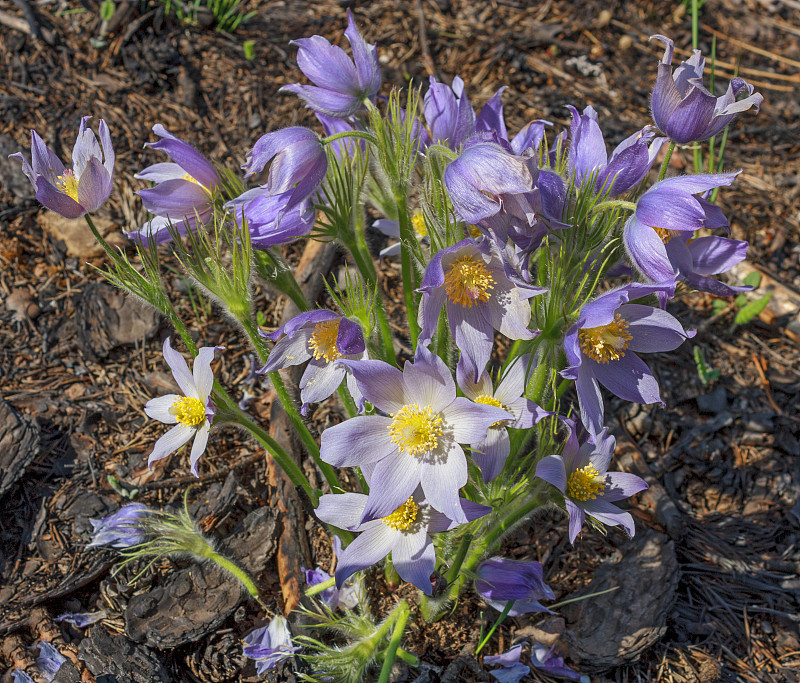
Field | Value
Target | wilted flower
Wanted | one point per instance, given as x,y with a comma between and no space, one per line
418,443
19,676
481,293
628,164
341,87
513,670
183,193
268,221
682,107
49,660
298,164
120,530
405,533
322,338
581,474
546,659
500,580
76,191
84,619
602,347
491,453
191,413
269,644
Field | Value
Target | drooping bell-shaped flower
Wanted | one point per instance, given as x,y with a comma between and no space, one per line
448,113
120,530
269,645
684,109
500,580
341,85
81,189
268,221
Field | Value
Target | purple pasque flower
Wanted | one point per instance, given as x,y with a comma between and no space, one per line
49,660
120,530
351,592
268,221
548,660
82,619
529,137
340,86
513,670
81,189
581,474
269,644
500,580
404,532
482,176
191,413
448,113
321,337
299,163
682,107
628,164
481,292
183,193
602,346
491,453
416,441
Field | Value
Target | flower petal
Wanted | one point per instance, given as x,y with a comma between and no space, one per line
652,329
180,370
159,408
170,442
199,446
441,481
342,510
358,441
393,481
414,558
369,548
551,469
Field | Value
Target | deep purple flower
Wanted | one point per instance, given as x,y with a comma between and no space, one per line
340,86
628,164
481,293
321,337
682,107
49,660
191,413
120,530
268,221
491,453
183,193
448,113
298,164
546,659
81,189
581,474
529,137
513,670
500,580
269,644
82,619
602,347
404,532
480,178
418,443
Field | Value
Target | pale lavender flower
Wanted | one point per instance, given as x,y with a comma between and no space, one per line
418,443
183,194
348,595
321,337
49,660
19,676
269,645
547,660
405,532
268,221
601,347
513,670
581,474
81,189
448,113
120,530
491,453
82,619
481,292
191,413
682,107
340,86
500,580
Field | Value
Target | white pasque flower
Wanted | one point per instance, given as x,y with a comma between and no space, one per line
191,413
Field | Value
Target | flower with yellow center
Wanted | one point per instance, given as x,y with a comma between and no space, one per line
188,411
68,184
585,483
323,340
666,235
492,401
606,342
402,518
416,430
468,281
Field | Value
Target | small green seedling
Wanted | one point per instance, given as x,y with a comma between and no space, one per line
707,376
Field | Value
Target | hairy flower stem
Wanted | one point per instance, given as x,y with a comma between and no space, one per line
349,134
458,560
238,572
401,617
407,238
665,163
272,268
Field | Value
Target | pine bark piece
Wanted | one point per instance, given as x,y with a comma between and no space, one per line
613,629
114,657
19,446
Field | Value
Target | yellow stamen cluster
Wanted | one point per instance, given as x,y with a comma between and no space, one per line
323,340
585,483
474,231
665,234
68,184
403,517
418,223
607,342
491,401
416,430
468,280
188,411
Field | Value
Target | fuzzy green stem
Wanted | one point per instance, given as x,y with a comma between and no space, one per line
407,238
281,277
612,204
400,619
458,560
320,587
562,388
408,658
237,571
349,134
497,623
665,163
